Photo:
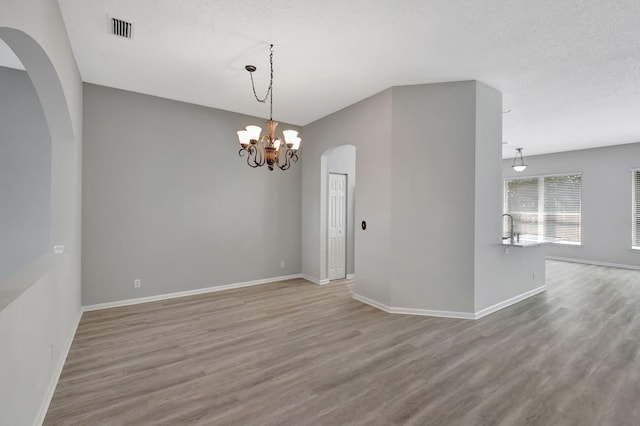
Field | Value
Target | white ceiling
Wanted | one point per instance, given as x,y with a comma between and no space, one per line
569,70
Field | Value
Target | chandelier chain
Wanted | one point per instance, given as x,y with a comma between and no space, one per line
269,93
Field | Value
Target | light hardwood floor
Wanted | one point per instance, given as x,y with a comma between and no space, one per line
294,353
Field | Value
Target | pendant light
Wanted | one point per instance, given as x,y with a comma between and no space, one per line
520,166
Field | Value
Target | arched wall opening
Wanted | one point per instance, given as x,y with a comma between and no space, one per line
340,160
37,137
25,170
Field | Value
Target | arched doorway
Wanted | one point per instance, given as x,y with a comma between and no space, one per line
25,169
338,182
42,161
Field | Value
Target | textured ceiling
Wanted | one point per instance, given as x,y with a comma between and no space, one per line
569,70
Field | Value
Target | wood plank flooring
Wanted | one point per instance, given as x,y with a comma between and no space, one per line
294,353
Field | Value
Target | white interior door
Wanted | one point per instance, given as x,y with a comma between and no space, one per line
337,226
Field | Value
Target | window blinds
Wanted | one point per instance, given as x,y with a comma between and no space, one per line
635,238
522,204
562,199
547,207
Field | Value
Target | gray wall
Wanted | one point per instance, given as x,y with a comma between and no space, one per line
429,184
446,202
25,174
499,275
367,126
167,199
342,160
432,198
606,200
36,328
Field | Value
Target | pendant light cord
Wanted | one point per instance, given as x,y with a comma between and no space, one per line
269,89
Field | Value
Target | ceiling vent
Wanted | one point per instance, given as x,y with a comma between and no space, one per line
121,28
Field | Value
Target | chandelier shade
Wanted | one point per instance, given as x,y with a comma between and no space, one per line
291,137
268,149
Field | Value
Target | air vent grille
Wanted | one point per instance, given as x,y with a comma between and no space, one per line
121,28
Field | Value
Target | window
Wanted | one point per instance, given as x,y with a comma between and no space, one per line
547,207
635,233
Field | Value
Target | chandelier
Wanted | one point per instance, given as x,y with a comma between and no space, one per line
269,149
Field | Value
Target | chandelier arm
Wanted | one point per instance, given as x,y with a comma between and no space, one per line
243,151
252,165
288,155
250,156
284,166
248,151
255,151
278,156
287,163
260,155
252,160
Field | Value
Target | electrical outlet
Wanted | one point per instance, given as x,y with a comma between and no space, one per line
282,264
137,283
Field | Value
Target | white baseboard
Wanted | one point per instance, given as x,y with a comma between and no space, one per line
449,314
594,262
314,280
187,293
326,280
371,302
433,313
413,311
53,383
509,302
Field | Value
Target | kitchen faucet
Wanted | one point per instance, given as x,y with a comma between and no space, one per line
511,233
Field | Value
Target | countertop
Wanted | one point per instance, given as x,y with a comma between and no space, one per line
524,241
